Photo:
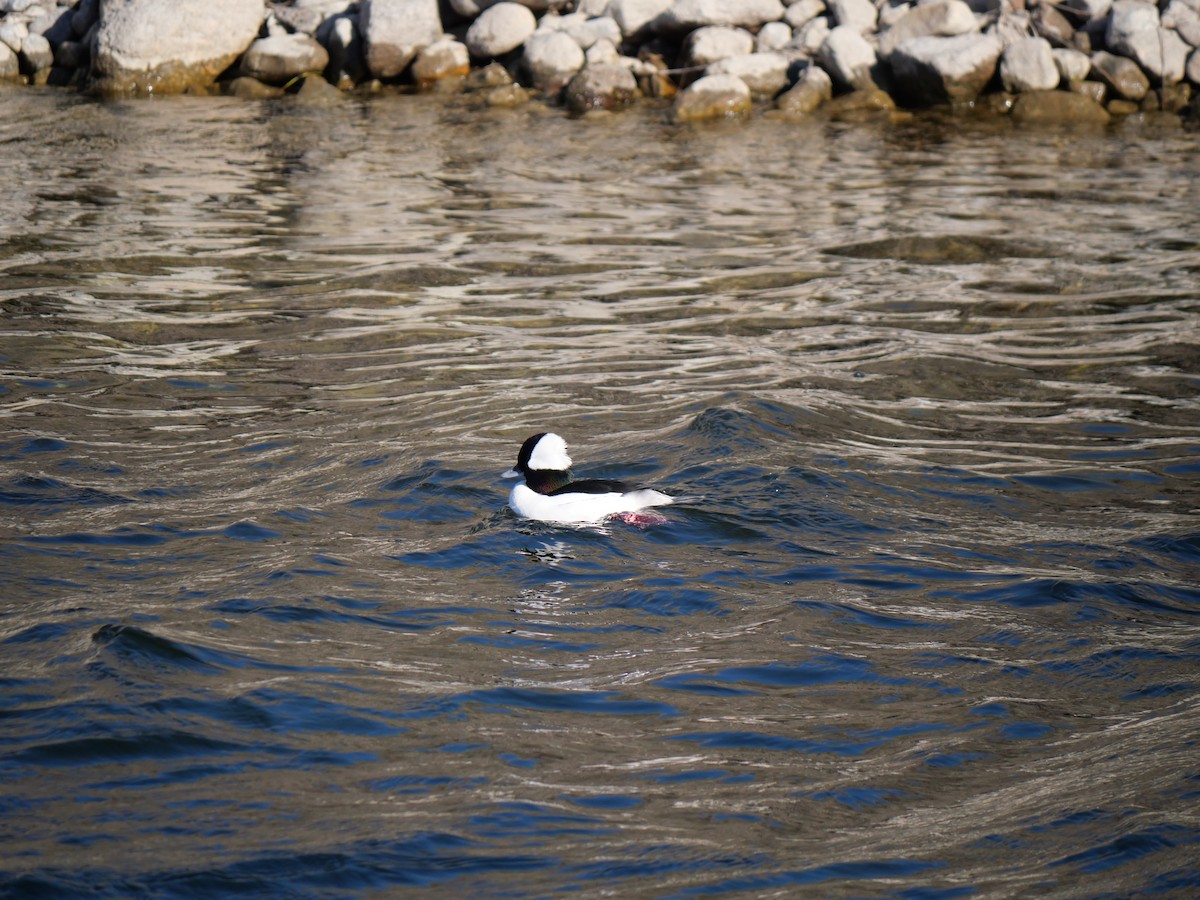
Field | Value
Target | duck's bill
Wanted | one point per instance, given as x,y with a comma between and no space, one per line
511,473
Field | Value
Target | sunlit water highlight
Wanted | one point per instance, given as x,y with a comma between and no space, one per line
923,623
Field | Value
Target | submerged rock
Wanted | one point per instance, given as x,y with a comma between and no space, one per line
602,86
1058,108
813,89
145,46
713,97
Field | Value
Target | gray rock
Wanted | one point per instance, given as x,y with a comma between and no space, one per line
603,86
1028,65
713,42
813,89
773,36
1058,108
583,31
36,53
1052,25
395,31
857,14
688,15
848,58
1192,70
1072,65
934,69
766,74
499,29
1122,75
636,18
1011,27
602,52
445,58
1095,91
551,59
947,19
10,66
279,59
713,97
1184,20
150,46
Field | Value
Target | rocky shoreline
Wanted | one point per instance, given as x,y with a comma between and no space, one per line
1076,61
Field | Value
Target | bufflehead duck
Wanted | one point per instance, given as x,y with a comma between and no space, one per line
548,494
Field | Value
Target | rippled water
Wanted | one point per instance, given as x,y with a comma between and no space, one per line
924,623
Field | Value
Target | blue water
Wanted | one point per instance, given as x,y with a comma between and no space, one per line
923,623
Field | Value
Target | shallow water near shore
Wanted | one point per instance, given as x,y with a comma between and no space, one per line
923,623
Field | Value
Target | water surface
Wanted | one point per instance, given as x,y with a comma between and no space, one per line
923,623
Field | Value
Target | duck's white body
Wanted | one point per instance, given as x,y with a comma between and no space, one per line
581,507
548,494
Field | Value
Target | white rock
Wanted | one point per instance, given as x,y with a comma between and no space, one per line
37,52
147,45
551,58
688,15
764,73
395,31
602,52
1134,31
1028,65
948,18
13,33
592,7
635,17
713,42
803,11
857,14
442,59
1185,21
811,35
773,36
499,29
1072,64
889,15
10,66
848,58
604,28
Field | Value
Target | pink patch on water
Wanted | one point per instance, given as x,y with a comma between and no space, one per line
642,519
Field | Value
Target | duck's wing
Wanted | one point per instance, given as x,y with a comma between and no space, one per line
595,486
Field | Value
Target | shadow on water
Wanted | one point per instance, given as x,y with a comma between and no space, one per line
921,623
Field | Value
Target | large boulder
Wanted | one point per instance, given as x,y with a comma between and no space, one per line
932,70
147,46
395,31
